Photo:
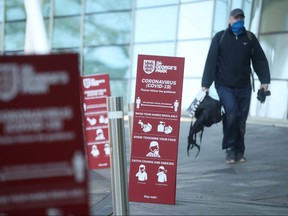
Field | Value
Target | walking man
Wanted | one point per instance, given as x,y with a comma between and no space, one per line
228,66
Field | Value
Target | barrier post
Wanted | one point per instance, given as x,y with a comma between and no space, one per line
118,160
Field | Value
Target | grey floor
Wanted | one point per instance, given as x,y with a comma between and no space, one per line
206,185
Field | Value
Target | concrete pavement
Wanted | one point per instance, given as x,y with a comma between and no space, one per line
206,185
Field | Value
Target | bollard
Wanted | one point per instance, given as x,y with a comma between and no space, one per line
118,159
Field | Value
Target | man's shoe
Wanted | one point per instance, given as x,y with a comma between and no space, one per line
230,156
240,159
230,161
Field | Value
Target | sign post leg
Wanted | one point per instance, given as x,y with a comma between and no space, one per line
118,156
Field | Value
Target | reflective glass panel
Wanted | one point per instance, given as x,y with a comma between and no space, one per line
195,53
149,3
108,28
14,36
46,8
113,60
189,0
236,4
46,25
104,5
66,50
274,16
247,11
190,89
67,7
15,10
193,22
276,50
156,24
276,105
255,17
132,87
1,10
220,21
1,38
66,32
119,88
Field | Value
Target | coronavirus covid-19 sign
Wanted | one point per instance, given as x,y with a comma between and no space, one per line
42,156
156,123
95,90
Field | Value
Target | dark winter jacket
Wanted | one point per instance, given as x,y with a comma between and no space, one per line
228,61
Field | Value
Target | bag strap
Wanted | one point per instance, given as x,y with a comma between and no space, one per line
222,36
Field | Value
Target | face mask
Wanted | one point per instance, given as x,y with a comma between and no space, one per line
237,27
156,152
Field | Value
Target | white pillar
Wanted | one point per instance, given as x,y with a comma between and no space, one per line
35,38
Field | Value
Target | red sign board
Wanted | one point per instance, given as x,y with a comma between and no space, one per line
42,156
95,90
157,111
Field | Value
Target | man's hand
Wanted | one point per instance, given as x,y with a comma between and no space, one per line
205,89
263,92
264,87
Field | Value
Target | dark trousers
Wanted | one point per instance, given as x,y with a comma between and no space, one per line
236,103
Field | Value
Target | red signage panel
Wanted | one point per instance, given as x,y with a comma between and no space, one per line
95,89
42,156
157,112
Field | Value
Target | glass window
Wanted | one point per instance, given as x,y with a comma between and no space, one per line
132,87
68,7
188,0
47,29
149,3
255,17
195,53
190,89
236,4
274,16
108,28
220,18
104,5
15,10
1,10
14,36
156,24
194,23
66,50
46,8
1,26
276,50
276,105
247,10
66,32
113,60
119,88
1,38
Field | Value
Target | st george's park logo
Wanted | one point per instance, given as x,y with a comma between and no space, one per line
9,82
23,79
149,66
